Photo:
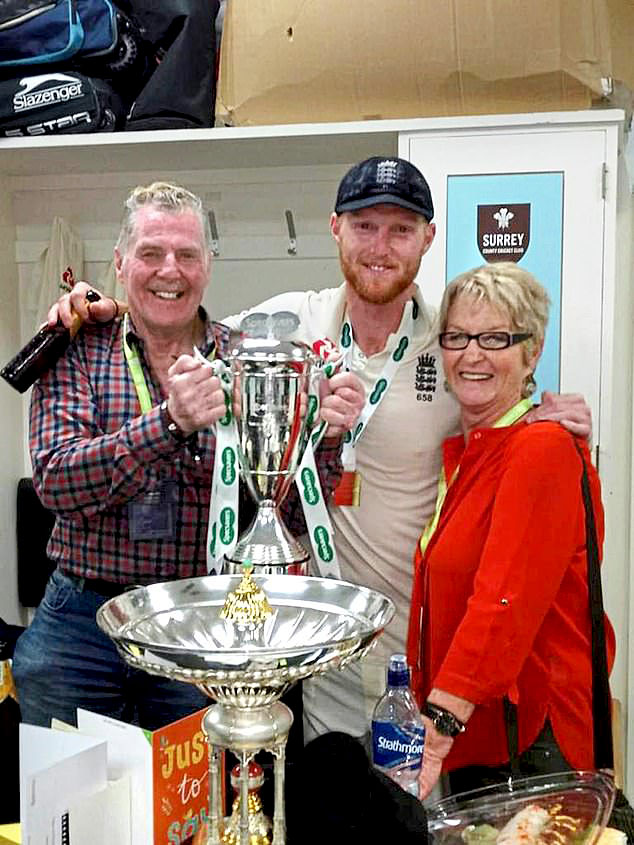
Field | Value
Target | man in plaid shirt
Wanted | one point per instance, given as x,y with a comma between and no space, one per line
122,446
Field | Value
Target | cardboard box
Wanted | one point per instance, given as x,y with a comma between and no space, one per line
287,61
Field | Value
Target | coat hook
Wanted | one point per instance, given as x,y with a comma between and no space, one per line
292,234
215,250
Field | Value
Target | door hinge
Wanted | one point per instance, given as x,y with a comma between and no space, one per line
604,181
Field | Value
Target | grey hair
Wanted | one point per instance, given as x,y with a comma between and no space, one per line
511,290
165,197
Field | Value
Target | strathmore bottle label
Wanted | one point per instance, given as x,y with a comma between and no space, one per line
393,747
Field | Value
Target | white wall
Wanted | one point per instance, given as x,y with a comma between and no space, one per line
616,464
11,408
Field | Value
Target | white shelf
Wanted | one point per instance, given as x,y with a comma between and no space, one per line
231,148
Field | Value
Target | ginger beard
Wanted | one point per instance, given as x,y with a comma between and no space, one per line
378,287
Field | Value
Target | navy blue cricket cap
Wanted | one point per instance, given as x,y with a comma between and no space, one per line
378,180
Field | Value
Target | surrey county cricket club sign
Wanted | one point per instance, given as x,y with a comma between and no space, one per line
504,231
515,217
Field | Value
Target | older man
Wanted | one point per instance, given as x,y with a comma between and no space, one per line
122,447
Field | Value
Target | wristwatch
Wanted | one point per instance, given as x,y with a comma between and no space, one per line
172,427
443,720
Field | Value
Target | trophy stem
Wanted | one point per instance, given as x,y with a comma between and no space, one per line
269,546
244,797
215,788
279,812
245,732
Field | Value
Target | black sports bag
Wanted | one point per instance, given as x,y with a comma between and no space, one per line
47,31
55,103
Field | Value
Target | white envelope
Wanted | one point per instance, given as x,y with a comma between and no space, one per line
129,755
103,817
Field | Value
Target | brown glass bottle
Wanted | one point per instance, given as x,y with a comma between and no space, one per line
41,352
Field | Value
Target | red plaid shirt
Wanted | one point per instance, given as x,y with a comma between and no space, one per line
93,452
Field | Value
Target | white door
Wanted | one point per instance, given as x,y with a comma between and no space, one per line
562,173
579,152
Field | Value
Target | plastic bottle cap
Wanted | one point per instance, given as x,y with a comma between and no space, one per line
398,671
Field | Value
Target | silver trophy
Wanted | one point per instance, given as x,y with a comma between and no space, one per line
244,642
276,385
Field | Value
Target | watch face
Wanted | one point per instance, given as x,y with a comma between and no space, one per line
444,725
444,722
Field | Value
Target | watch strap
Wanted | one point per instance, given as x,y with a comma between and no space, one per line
444,721
171,425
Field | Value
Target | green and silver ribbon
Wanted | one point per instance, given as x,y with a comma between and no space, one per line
381,385
222,530
318,524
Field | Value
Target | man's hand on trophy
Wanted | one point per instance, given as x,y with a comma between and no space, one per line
84,300
196,399
342,398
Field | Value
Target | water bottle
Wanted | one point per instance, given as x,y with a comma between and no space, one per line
398,731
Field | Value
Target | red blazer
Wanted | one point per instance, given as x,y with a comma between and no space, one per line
500,599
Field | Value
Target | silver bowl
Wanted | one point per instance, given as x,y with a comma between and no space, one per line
174,629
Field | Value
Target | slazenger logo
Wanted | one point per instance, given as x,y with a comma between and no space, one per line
412,747
68,88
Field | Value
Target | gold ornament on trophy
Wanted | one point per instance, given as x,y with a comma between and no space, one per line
248,604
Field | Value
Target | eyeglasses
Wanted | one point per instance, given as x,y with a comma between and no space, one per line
485,340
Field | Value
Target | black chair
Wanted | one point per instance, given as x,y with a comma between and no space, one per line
34,525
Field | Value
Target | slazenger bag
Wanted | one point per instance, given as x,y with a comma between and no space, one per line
52,31
56,103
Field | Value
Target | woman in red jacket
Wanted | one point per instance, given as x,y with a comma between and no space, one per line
500,599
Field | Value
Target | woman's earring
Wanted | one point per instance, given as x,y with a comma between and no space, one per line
529,387
447,386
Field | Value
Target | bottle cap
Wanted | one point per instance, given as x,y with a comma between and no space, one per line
398,671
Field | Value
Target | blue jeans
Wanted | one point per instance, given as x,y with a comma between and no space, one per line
64,661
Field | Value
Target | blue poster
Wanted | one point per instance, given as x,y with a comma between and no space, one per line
512,217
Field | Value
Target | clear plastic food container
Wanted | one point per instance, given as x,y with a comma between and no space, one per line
571,808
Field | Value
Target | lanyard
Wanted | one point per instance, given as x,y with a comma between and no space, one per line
381,385
136,370
509,418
